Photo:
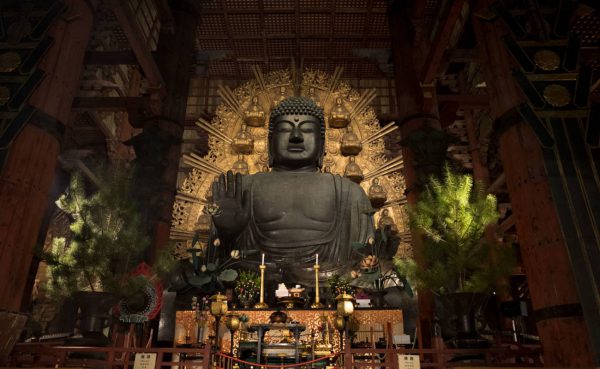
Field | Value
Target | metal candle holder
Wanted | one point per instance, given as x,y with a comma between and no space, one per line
262,304
317,304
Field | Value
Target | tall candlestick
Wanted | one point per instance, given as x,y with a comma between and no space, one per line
317,304
262,304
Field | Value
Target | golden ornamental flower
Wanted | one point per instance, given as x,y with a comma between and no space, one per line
235,254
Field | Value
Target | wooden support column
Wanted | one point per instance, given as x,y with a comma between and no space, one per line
556,305
419,127
29,169
158,147
480,172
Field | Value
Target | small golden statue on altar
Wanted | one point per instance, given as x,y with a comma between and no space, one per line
240,166
243,143
350,144
387,220
353,171
377,194
282,96
339,118
255,115
313,96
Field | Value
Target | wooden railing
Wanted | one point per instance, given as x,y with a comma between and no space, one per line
45,355
439,357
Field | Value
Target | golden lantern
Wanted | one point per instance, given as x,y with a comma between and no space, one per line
218,308
345,308
353,171
339,323
345,304
243,143
233,324
339,118
218,305
255,115
377,194
350,145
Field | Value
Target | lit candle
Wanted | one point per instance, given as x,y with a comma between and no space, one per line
317,262
263,259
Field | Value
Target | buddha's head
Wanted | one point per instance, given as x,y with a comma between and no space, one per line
296,134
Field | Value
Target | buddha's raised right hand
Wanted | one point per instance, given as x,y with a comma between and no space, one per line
233,205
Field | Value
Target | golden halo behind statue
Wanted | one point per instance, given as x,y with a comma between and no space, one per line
237,140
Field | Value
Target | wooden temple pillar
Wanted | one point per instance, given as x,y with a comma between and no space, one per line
29,167
554,294
158,147
424,145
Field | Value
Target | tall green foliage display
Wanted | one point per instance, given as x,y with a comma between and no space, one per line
106,240
453,215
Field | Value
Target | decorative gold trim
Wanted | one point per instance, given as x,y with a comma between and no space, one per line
552,77
546,60
9,61
557,95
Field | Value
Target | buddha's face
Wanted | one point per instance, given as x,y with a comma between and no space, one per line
296,142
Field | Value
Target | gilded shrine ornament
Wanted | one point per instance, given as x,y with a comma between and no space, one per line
557,95
387,221
312,95
9,61
350,145
546,60
377,194
240,166
340,118
255,115
353,171
257,97
243,143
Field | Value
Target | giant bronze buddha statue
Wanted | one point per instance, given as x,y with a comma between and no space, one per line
294,211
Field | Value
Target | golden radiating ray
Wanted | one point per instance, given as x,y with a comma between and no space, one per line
384,131
201,164
181,234
363,102
213,130
333,83
259,77
401,201
189,198
229,99
384,167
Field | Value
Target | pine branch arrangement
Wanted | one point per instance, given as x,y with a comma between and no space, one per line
247,287
453,215
107,240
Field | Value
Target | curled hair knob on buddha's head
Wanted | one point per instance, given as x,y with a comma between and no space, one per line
297,105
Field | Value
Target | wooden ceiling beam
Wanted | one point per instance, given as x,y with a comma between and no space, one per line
121,57
101,103
465,101
463,55
138,45
324,10
433,61
286,36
